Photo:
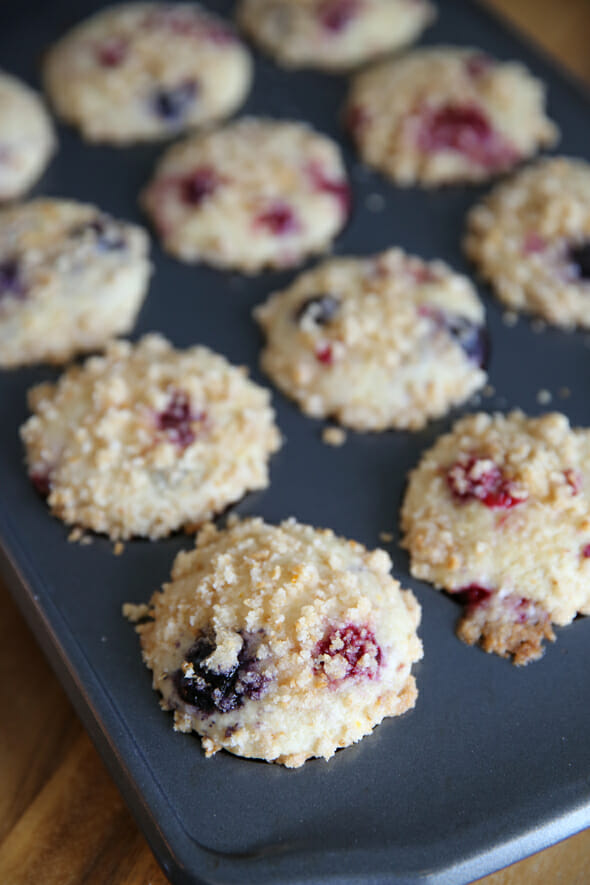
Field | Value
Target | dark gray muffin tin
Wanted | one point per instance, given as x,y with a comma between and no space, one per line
494,761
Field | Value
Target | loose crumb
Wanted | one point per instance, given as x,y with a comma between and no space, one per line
510,318
386,537
118,548
191,528
333,436
544,397
135,613
564,392
78,535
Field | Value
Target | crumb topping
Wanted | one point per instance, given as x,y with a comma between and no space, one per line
281,642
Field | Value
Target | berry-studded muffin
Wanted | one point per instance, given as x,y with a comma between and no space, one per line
280,642
27,138
332,34
146,439
530,237
71,277
497,513
383,341
445,115
141,71
257,193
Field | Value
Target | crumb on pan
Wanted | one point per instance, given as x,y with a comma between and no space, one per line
135,613
334,436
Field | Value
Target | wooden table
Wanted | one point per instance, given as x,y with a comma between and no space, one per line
62,821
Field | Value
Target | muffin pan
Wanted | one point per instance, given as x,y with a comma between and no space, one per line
494,761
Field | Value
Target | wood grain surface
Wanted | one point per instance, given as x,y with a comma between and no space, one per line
62,821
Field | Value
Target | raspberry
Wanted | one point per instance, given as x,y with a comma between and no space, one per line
325,355
336,15
337,188
41,482
199,185
478,64
356,646
466,129
279,219
472,595
468,481
177,419
112,53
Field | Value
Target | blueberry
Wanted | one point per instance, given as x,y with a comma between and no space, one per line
11,283
321,309
580,258
171,104
211,691
105,231
473,338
